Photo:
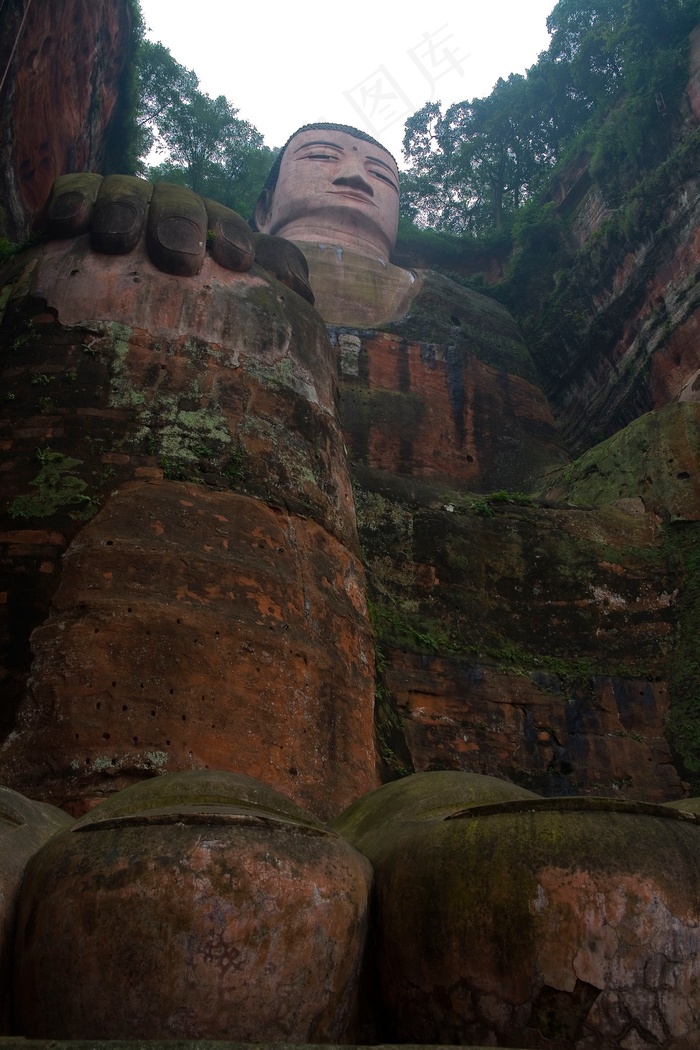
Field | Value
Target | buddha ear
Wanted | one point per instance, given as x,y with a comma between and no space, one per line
262,213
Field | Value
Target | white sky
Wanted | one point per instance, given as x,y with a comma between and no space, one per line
371,64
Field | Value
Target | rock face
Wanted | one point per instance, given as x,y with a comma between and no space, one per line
24,828
448,394
199,906
653,460
196,629
242,595
550,923
633,346
56,115
526,642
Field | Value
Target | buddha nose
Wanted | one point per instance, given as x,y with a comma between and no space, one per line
354,182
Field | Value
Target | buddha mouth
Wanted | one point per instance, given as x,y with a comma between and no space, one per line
354,195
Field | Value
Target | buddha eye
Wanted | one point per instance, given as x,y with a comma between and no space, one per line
320,156
384,178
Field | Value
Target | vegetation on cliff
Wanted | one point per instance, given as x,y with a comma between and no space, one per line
609,86
204,143
201,142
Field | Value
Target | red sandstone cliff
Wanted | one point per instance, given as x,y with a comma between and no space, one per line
62,67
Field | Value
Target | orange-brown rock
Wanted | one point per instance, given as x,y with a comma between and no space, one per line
228,381
24,828
634,346
447,394
63,66
197,629
525,641
567,922
605,737
199,906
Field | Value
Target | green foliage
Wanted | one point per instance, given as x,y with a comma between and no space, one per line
477,162
57,486
394,626
548,284
615,65
205,144
7,250
235,469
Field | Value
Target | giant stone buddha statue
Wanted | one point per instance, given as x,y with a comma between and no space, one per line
210,621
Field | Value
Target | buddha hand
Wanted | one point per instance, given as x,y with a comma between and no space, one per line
180,227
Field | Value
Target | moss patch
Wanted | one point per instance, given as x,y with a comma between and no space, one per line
57,486
650,458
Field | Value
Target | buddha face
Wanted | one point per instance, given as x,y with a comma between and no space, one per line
337,188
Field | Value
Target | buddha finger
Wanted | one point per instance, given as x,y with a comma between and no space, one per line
176,230
229,237
70,207
119,214
284,261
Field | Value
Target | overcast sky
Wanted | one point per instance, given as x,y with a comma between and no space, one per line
285,64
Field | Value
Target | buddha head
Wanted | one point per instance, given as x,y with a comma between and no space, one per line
333,184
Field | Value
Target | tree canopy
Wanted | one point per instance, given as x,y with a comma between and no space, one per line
616,64
204,143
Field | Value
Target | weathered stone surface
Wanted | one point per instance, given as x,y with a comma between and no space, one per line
568,923
525,642
59,98
449,394
621,338
372,822
197,906
227,380
197,629
354,290
686,805
654,458
636,348
18,1043
603,735
24,828
693,88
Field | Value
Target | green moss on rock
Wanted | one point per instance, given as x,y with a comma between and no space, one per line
653,458
57,486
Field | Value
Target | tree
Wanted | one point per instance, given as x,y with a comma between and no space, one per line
611,81
206,145
162,83
475,165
